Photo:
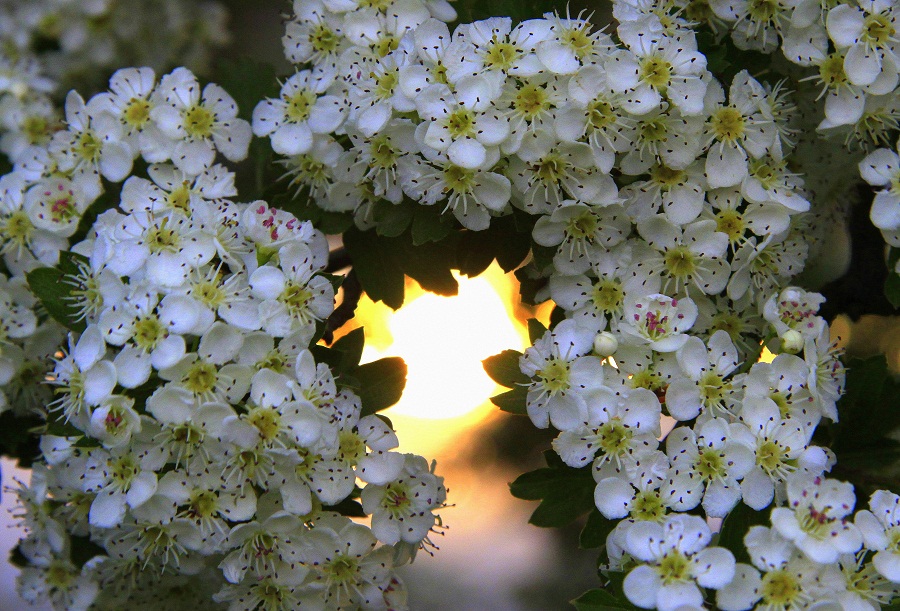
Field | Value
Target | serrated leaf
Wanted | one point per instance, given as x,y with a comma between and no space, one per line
391,220
599,600
49,285
536,329
379,274
512,401
351,348
381,383
565,493
347,507
504,369
735,527
595,530
429,225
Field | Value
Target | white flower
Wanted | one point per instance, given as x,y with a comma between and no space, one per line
403,509
55,205
291,296
119,480
594,302
114,421
596,113
794,309
564,371
374,92
495,48
737,131
782,386
198,122
471,194
463,123
93,145
267,548
694,254
678,561
170,189
302,111
680,193
704,386
620,427
657,65
881,168
207,501
658,320
582,233
707,461
880,528
780,447
349,569
788,579
570,44
815,519
546,172
868,33
130,100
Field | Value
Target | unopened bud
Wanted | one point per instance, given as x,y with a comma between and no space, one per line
791,342
605,344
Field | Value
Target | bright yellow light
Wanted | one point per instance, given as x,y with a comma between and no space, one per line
443,341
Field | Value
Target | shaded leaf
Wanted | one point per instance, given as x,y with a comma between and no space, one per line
536,329
599,600
49,285
381,383
735,527
595,530
512,401
381,278
565,493
429,225
504,369
892,284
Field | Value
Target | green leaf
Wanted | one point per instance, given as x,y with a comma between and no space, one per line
504,369
565,493
351,347
735,528
536,329
391,220
248,81
381,383
512,401
892,284
864,438
17,439
379,274
347,507
429,225
49,285
518,10
502,241
599,600
595,530
430,265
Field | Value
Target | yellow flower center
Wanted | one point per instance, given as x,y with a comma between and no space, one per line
198,122
728,124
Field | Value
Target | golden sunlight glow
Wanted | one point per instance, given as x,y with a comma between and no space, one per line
443,341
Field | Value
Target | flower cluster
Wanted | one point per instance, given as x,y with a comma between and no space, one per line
193,431
48,44
849,51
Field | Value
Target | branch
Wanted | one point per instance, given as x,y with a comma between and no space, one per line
344,312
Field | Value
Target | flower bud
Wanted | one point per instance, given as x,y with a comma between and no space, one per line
791,342
605,344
